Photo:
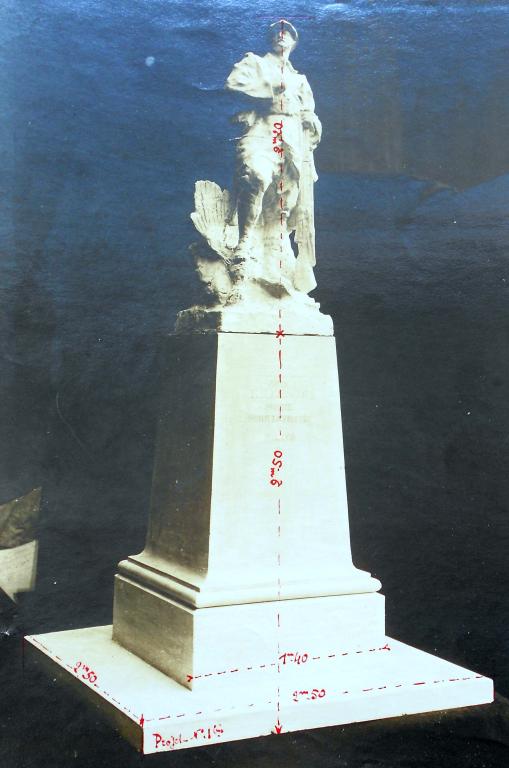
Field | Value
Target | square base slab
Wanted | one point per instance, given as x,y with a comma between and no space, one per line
156,714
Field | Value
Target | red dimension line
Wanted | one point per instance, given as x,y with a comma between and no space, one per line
407,685
337,654
220,709
279,338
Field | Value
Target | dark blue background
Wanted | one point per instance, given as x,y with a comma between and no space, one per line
101,146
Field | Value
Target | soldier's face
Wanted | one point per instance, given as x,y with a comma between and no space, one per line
282,41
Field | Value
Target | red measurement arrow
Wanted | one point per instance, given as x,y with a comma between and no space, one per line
278,727
189,678
142,720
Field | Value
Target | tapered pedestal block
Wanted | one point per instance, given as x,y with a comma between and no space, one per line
248,506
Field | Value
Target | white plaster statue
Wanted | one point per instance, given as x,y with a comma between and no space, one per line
240,579
247,255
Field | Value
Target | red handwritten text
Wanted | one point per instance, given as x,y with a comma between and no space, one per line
309,695
276,466
277,135
293,658
83,671
201,734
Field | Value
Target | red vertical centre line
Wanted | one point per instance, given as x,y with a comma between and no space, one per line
280,361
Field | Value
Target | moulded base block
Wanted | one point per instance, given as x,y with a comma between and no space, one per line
189,643
157,714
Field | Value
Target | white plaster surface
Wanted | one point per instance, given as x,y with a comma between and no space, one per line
245,259
157,714
221,536
184,642
236,538
18,568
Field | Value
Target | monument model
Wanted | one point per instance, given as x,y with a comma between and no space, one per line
244,614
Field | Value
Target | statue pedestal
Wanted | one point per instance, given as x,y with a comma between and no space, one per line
244,615
248,520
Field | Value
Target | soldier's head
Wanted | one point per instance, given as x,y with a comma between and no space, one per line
283,36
